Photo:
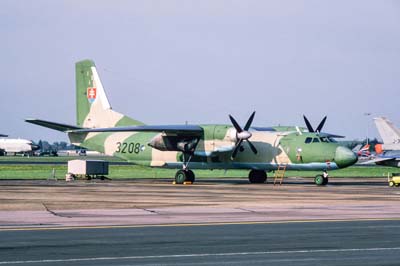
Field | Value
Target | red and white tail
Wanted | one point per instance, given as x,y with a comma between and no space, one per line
364,151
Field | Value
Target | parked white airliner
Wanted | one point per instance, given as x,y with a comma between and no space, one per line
15,146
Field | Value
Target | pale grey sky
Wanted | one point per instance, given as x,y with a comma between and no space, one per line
167,62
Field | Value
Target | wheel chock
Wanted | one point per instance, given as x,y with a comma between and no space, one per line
184,183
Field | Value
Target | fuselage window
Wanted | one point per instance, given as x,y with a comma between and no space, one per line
315,140
308,140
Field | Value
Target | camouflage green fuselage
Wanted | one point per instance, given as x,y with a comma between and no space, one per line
305,151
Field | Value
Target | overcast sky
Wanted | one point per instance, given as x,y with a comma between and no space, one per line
167,62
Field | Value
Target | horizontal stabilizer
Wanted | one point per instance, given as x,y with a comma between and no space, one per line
52,125
188,130
4,136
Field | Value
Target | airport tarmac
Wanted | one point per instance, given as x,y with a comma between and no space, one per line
314,243
212,222
157,201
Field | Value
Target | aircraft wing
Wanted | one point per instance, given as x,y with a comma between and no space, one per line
379,159
181,130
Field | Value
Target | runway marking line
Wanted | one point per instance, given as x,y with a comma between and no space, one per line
277,252
192,224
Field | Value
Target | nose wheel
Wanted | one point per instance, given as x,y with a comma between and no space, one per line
183,176
321,180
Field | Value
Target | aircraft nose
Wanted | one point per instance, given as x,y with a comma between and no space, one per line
345,157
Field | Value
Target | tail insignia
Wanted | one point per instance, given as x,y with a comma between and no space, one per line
91,94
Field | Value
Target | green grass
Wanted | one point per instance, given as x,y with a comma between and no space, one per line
57,159
34,171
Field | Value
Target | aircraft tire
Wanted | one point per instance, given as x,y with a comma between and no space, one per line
391,184
319,180
190,176
326,181
183,176
257,177
180,177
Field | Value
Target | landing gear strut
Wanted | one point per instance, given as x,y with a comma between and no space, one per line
257,176
321,180
185,175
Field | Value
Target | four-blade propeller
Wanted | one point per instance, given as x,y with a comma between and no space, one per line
242,134
310,128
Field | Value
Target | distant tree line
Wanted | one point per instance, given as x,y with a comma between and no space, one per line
46,147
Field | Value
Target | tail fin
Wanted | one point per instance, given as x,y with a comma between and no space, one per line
388,132
92,107
364,151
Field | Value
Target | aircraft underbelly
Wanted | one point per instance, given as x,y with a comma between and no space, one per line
249,166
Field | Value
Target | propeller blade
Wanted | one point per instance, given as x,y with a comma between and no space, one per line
321,125
235,124
252,147
248,124
235,151
309,127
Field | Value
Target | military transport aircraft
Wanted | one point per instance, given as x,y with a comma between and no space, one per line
187,147
387,153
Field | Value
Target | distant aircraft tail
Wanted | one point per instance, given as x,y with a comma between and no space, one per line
388,132
364,151
92,107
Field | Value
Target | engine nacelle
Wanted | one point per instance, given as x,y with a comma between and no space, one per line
232,133
164,142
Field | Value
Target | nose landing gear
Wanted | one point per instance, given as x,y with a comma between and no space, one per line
322,180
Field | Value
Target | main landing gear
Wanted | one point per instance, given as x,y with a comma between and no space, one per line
183,176
321,180
257,176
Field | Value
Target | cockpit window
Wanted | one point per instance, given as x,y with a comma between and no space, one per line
324,139
315,140
308,140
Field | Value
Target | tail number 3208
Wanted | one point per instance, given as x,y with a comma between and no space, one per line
125,147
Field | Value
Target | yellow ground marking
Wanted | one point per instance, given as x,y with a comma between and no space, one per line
192,224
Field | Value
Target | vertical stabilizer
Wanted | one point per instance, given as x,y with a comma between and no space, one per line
93,109
388,132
